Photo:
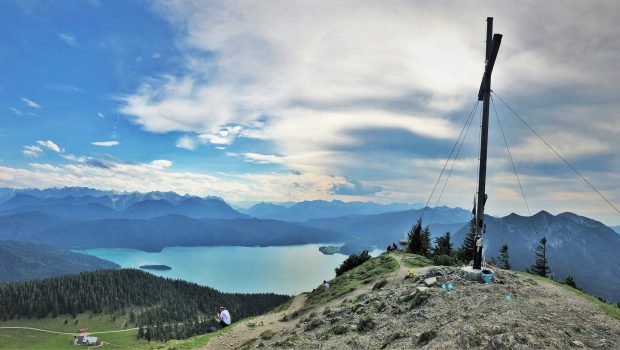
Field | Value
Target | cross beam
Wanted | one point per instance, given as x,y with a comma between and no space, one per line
484,94
488,69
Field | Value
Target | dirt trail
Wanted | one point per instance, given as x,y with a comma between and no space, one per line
243,333
38,330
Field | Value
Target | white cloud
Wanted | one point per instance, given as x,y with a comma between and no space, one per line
106,143
262,158
156,55
161,164
51,146
224,136
16,111
307,77
186,142
32,151
67,38
571,145
30,103
100,115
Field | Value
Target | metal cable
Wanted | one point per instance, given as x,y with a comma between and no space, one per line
557,154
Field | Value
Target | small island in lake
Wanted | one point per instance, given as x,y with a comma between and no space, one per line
156,267
329,250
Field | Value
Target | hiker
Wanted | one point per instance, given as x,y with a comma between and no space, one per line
325,286
223,318
392,247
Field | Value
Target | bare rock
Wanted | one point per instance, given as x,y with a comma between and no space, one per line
431,281
577,344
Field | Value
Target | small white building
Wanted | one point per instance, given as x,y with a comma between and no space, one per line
86,340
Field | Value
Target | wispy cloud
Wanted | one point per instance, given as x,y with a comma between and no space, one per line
16,111
106,143
354,188
51,146
100,115
161,164
262,158
32,151
30,103
186,142
67,38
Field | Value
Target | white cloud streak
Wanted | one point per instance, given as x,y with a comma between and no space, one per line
67,39
30,103
106,143
51,146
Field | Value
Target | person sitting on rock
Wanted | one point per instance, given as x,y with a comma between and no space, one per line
223,318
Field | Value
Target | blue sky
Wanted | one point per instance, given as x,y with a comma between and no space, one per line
288,101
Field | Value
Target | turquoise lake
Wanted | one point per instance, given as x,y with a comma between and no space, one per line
282,269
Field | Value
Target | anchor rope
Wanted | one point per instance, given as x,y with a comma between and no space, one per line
557,154
458,140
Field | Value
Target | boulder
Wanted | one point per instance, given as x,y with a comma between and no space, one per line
430,281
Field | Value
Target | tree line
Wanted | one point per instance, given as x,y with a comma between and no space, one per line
442,252
146,300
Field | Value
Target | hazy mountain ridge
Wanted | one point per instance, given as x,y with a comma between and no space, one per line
177,230
576,245
367,231
319,209
27,261
142,206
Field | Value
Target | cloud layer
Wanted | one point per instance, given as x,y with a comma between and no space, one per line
364,100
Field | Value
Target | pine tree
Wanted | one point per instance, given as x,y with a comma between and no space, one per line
415,238
570,282
443,245
502,260
466,253
541,266
425,248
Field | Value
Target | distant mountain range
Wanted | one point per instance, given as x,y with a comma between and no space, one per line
103,207
576,245
86,218
176,230
25,261
320,209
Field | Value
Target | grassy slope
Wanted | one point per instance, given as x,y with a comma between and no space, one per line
30,339
36,340
368,272
610,309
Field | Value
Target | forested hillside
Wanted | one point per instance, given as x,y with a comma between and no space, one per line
24,260
578,246
147,300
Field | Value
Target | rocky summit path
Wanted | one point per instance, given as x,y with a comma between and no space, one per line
515,312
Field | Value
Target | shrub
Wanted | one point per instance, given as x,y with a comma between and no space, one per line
313,324
446,260
340,329
352,261
267,334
